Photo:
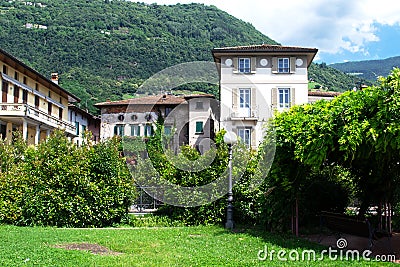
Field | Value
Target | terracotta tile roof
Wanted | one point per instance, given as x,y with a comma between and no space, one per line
323,94
162,99
82,111
28,71
265,48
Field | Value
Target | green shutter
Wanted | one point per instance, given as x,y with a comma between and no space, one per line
138,130
199,126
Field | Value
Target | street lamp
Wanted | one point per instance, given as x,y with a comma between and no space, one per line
230,139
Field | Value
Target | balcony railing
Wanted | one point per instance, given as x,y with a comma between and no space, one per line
25,110
252,115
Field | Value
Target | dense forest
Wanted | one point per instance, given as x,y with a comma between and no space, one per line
369,69
105,49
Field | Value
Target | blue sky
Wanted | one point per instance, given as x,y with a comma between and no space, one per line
342,30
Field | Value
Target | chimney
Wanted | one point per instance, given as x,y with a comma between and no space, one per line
54,77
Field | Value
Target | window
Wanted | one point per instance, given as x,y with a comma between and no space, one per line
83,130
283,65
16,94
199,127
135,130
4,69
24,80
199,105
37,101
16,75
284,98
4,91
60,113
167,111
244,101
49,108
245,135
77,127
24,96
148,130
167,130
119,129
244,65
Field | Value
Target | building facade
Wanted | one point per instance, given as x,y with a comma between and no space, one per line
314,96
31,103
188,120
84,122
255,81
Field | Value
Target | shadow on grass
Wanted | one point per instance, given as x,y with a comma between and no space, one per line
283,240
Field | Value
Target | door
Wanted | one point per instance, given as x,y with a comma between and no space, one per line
244,102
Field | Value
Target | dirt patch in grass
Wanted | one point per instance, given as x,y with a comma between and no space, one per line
93,248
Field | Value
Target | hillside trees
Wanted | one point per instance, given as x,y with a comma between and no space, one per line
106,50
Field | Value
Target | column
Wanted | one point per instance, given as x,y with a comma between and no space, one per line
9,129
37,135
25,130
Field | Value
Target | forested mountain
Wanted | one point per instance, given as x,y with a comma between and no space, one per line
369,69
106,49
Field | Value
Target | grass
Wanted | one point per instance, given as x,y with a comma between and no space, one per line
156,246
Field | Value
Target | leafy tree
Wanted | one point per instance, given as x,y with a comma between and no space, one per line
357,132
60,184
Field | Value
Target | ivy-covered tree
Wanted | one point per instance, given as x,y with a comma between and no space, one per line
357,132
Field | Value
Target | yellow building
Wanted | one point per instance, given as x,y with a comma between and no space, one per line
31,103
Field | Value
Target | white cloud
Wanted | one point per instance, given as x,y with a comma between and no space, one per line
332,26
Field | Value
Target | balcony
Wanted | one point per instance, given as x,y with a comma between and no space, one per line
245,116
28,112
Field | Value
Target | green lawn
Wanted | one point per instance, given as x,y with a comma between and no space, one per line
169,246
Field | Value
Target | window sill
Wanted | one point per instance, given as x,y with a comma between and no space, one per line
199,133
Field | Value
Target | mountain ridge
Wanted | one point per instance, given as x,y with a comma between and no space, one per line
369,69
106,49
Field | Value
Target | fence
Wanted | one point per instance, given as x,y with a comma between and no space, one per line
145,203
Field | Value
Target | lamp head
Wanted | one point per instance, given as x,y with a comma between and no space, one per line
230,138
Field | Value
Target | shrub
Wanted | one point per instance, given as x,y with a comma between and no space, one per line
60,184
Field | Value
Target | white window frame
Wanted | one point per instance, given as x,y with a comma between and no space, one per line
284,98
245,135
148,130
244,102
135,130
283,65
244,65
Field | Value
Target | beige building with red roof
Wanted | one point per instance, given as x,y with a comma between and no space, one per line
188,120
257,80
31,103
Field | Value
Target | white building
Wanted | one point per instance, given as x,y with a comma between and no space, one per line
257,80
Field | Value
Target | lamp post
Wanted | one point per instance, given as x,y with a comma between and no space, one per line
230,139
